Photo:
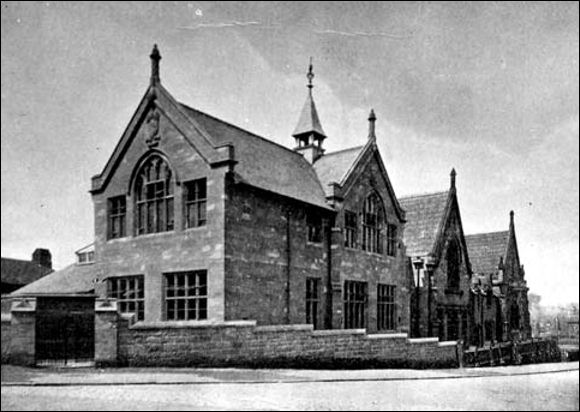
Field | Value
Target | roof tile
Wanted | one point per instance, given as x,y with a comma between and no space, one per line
485,250
424,214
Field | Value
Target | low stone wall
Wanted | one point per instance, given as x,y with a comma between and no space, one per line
514,353
6,337
245,344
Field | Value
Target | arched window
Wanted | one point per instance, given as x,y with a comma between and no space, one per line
154,197
453,265
372,223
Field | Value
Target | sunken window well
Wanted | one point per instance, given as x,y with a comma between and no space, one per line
186,295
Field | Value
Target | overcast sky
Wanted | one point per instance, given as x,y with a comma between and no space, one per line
488,88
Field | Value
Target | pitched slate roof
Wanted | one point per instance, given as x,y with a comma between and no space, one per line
424,215
72,279
485,250
21,272
263,163
333,167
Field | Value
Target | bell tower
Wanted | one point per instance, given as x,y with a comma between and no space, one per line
308,133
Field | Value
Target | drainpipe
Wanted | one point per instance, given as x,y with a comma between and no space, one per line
429,265
288,262
328,309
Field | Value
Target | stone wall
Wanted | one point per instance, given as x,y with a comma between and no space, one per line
268,258
242,343
6,337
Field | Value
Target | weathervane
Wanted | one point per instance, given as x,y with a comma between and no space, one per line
310,75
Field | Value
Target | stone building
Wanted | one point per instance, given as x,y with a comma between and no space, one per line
197,219
439,263
201,225
495,257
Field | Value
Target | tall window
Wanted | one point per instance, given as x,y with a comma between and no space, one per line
117,208
453,265
186,295
350,229
355,298
372,224
314,223
195,203
312,301
129,292
154,197
386,307
391,240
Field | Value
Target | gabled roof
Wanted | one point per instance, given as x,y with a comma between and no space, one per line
309,122
263,163
21,272
70,280
486,249
333,167
425,214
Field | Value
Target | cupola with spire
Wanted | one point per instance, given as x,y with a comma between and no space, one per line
308,133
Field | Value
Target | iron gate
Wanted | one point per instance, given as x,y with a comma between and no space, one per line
65,330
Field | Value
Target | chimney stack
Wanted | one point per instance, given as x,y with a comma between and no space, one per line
42,257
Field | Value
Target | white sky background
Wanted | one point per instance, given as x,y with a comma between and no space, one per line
488,88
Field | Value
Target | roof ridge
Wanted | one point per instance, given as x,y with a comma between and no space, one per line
241,129
488,233
442,192
344,150
21,260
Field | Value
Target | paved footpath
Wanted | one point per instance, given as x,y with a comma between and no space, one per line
531,387
18,376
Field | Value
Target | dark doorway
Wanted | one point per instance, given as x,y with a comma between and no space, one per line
65,330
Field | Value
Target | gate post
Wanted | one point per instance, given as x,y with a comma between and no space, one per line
23,331
106,344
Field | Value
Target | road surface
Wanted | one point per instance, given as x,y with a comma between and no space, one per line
544,391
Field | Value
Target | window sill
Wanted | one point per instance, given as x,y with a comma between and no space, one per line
195,229
315,244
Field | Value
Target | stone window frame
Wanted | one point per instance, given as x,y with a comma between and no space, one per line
391,239
314,224
372,223
117,217
154,197
350,229
185,295
312,301
386,307
195,203
129,292
454,260
355,299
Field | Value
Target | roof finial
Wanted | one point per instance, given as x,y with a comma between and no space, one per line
511,217
453,174
372,120
310,75
155,57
